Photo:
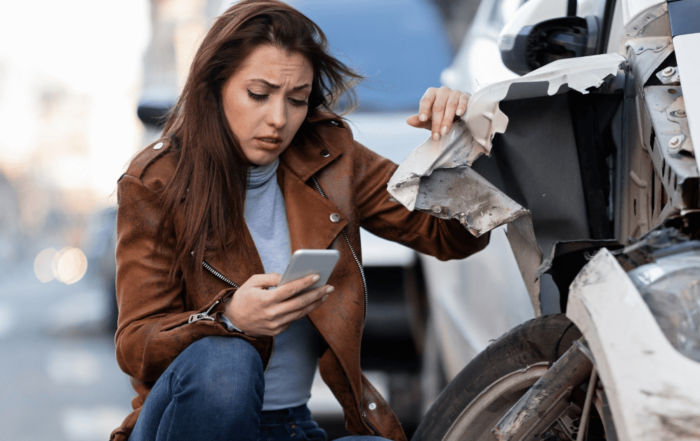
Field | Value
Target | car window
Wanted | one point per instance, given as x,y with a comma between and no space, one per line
591,7
400,45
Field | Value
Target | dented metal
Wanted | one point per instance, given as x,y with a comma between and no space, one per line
472,137
436,177
463,194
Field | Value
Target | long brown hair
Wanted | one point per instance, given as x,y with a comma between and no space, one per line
207,191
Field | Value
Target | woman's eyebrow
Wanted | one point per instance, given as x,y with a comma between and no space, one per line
277,86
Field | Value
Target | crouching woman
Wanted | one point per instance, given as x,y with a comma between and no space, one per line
254,166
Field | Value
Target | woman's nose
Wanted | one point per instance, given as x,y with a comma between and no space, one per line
277,117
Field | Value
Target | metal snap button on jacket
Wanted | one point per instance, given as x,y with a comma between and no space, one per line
325,153
335,217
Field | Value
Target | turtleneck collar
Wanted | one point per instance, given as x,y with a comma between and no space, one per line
259,175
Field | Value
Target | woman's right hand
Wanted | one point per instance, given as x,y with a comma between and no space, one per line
259,311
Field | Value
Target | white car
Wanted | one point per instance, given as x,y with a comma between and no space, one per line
588,157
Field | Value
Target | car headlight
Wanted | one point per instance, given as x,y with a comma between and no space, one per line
671,288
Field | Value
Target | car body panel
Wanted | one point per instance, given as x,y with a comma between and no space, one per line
686,48
634,9
468,313
653,390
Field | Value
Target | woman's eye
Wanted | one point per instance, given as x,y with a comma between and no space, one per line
257,97
298,102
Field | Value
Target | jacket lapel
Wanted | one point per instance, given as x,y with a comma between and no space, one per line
308,213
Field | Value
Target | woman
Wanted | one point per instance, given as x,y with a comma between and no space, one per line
255,166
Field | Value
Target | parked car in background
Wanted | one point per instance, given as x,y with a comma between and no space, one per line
478,60
9,223
99,244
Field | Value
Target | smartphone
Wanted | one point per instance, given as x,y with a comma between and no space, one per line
307,262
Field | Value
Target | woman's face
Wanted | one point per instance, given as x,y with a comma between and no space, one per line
266,101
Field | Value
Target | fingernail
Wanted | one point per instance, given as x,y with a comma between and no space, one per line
444,130
330,289
423,117
323,300
315,278
436,136
460,112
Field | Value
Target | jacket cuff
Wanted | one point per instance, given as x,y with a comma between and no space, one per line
230,326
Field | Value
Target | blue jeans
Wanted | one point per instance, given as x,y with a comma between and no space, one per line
214,391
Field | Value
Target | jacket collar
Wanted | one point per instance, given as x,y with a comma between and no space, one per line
306,159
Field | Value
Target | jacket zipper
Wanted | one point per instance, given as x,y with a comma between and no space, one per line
364,417
352,250
364,286
220,276
205,315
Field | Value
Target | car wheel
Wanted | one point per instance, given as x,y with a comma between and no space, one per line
478,397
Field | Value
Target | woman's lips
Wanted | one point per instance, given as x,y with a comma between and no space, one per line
269,143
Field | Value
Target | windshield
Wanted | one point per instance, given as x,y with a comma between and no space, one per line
399,45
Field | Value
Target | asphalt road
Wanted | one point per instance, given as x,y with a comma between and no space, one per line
59,377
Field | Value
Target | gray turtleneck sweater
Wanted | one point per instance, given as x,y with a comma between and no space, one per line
290,375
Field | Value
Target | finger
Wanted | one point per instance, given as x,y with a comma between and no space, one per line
439,110
426,104
294,287
463,102
302,301
416,122
283,328
275,330
263,281
450,112
303,312
296,308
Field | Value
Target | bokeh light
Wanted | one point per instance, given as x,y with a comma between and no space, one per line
43,268
70,265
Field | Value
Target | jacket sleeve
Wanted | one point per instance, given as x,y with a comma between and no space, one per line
153,326
444,239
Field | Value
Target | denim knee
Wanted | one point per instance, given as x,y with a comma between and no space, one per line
226,370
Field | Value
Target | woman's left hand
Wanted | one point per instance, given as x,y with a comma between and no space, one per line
438,109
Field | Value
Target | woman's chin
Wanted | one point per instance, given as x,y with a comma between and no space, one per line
264,157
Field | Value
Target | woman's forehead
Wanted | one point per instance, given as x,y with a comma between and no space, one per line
276,67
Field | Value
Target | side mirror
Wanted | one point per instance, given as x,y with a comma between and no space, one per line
550,40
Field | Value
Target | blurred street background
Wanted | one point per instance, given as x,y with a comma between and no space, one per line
72,74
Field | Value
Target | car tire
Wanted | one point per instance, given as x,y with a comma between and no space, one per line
505,370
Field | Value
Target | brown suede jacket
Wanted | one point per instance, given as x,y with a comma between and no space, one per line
158,319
